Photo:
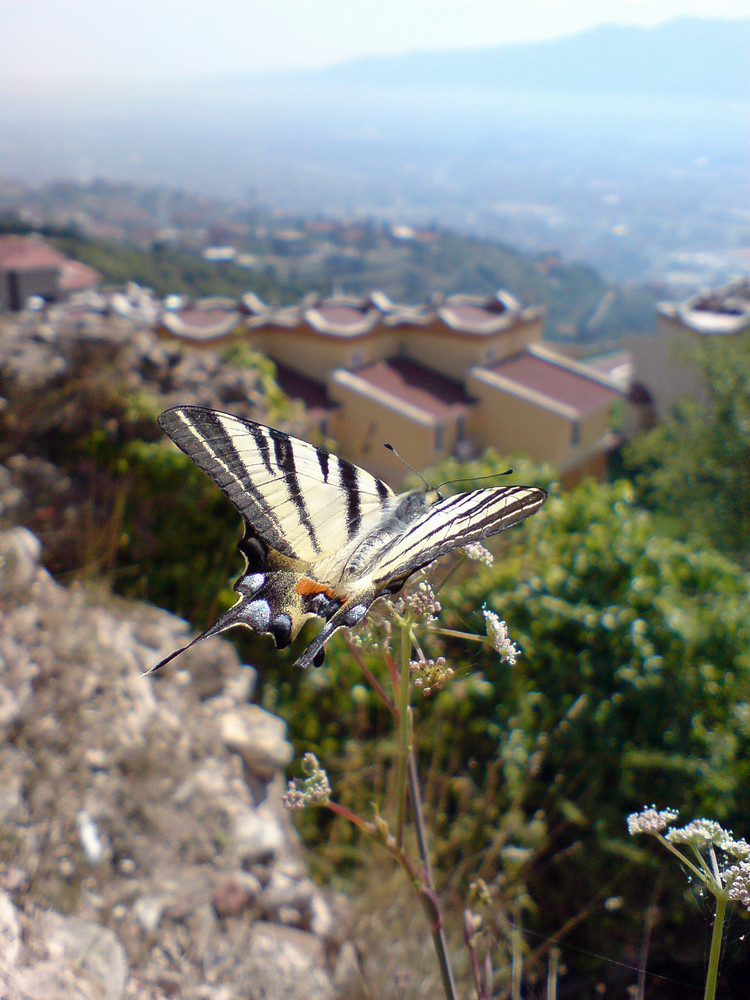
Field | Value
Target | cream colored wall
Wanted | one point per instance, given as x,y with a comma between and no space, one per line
317,355
594,426
512,424
660,363
453,353
363,425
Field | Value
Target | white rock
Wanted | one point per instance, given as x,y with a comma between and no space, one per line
10,932
259,738
19,562
256,835
11,783
83,961
286,963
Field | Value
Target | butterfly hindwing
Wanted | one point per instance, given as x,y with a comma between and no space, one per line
458,520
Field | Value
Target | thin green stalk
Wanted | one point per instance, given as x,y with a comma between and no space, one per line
404,731
715,954
407,767
430,899
552,970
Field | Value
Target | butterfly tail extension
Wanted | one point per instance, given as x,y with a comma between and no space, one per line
348,615
227,620
268,604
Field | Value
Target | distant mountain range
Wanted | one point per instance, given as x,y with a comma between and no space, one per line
687,56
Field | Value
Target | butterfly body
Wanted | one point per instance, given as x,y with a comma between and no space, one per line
323,538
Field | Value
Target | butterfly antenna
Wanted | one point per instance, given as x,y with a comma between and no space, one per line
409,467
475,479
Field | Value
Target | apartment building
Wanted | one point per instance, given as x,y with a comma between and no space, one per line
663,366
453,376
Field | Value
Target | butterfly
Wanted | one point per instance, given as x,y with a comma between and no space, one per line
323,538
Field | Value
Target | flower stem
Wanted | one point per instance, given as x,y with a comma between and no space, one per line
407,767
429,897
404,731
715,954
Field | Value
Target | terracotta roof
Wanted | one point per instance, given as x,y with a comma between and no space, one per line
313,394
406,381
194,323
27,253
556,381
77,277
617,366
343,316
253,305
478,315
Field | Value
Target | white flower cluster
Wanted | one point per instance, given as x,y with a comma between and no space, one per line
703,836
737,880
478,553
422,602
315,789
497,633
699,833
430,675
651,820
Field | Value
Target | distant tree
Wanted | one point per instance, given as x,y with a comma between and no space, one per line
695,467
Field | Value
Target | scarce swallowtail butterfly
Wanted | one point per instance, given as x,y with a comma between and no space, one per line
323,538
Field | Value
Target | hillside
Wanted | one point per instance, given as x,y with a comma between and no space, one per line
687,56
581,306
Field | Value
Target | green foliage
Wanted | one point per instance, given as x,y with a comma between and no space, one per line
633,687
175,536
168,271
695,467
580,305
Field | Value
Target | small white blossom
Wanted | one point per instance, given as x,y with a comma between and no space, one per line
737,880
737,848
422,603
497,633
430,675
699,833
478,553
651,820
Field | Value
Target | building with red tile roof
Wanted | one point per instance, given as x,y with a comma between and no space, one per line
29,267
451,376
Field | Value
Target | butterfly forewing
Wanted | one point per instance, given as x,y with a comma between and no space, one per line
302,500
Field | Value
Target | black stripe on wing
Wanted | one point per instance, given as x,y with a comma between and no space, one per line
348,475
457,521
199,433
285,460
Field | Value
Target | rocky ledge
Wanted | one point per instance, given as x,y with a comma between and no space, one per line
144,850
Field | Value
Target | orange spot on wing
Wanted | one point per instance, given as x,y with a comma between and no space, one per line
308,588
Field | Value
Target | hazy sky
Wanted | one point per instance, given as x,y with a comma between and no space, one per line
77,39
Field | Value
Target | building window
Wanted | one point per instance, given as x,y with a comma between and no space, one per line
439,437
575,433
